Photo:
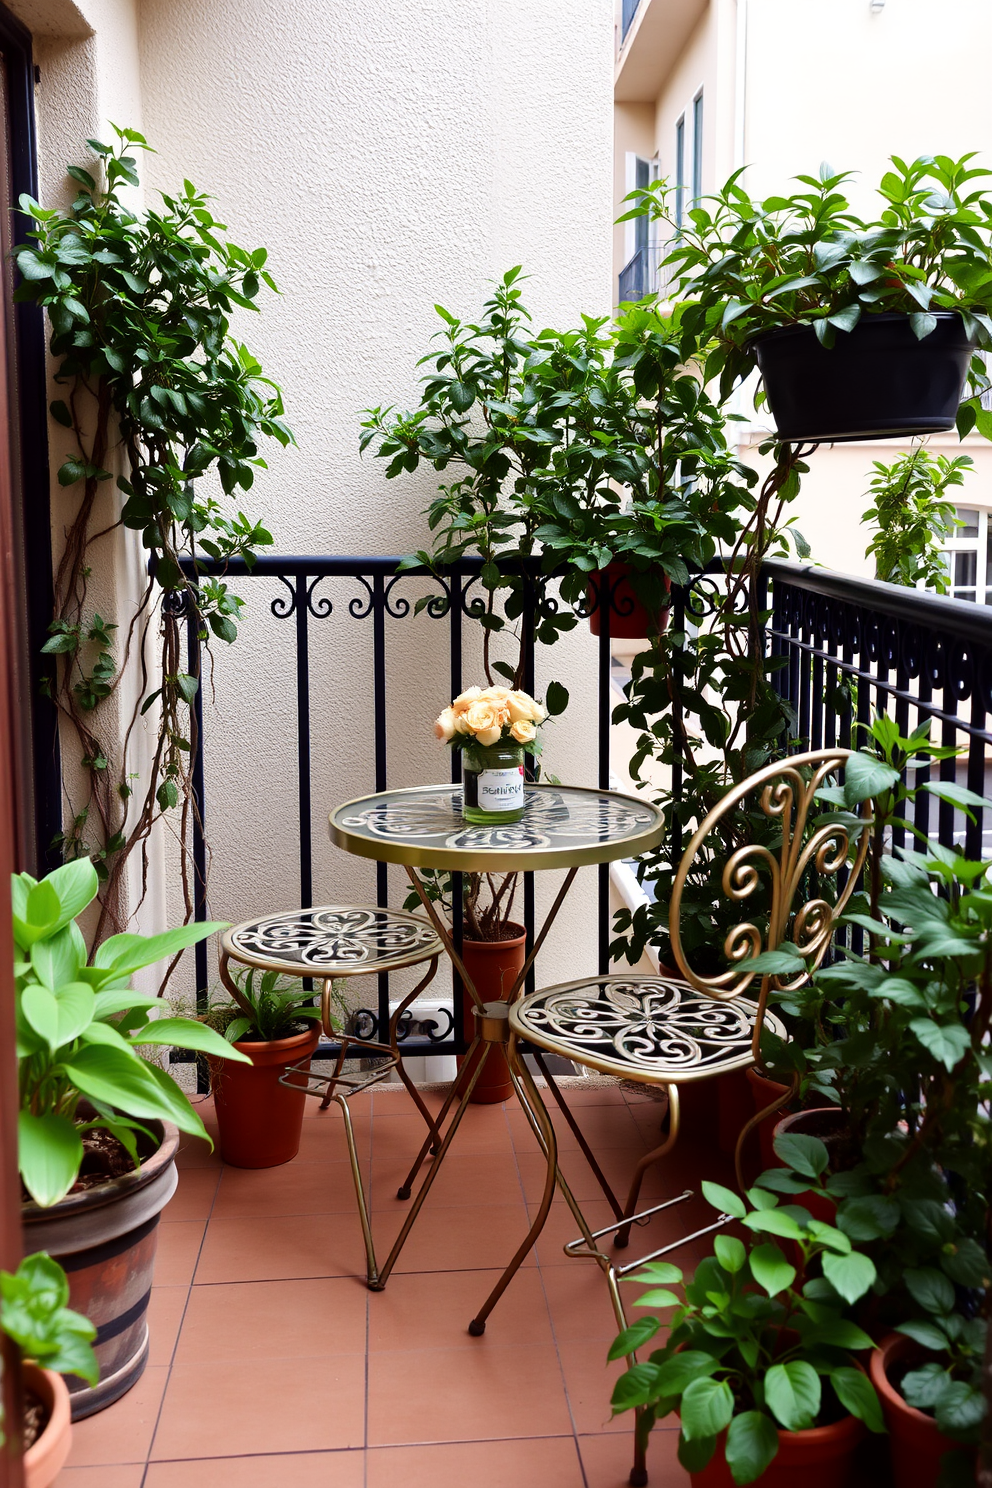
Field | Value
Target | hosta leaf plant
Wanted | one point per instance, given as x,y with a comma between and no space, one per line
81,1028
740,266
760,1340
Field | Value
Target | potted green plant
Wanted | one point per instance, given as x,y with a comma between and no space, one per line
914,517
859,328
760,1356
99,1121
272,1024
53,1341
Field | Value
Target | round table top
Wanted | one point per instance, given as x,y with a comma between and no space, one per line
563,826
333,940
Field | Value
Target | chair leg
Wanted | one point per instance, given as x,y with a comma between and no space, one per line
356,1174
431,1142
754,1123
622,1238
577,1133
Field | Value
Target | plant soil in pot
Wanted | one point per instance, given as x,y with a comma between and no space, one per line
916,1443
494,966
105,1237
877,381
47,1425
823,1457
630,617
260,1120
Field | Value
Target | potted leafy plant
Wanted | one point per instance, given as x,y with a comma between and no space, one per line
860,328
914,517
759,1361
273,1024
98,1120
53,1341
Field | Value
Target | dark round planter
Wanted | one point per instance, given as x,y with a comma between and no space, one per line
916,1444
494,966
630,619
260,1120
105,1239
876,382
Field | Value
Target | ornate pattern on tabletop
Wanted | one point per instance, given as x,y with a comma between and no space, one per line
555,819
339,939
646,1027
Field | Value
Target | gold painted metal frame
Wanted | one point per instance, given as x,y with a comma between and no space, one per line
497,859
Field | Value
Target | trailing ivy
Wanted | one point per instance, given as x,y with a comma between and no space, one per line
156,386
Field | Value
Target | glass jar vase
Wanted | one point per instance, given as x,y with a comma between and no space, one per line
493,785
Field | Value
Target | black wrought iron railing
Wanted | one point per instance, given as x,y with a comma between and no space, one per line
851,647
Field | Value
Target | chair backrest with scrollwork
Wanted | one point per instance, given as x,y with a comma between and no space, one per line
806,850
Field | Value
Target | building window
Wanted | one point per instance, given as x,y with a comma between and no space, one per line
679,169
697,147
969,557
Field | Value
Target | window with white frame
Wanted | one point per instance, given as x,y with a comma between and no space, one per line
969,556
697,147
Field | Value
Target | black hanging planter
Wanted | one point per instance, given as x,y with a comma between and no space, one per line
876,382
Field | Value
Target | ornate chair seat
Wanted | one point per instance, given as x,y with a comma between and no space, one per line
655,1029
333,940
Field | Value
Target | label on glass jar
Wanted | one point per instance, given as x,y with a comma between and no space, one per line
501,790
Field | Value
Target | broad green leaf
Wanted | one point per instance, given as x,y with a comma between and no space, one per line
181,1112
76,885
658,1297
805,1155
752,1443
706,1409
771,1270
75,1010
108,1004
774,1222
695,1455
967,1263
676,1373
41,1011
184,1033
658,1271
960,1408
636,1386
856,1393
837,1332
928,1335
924,1387
792,1394
50,1151
829,1235
632,1338
57,959
125,954
851,1275
724,1199
948,1043
931,1289
730,1253
121,1081
866,776
868,1218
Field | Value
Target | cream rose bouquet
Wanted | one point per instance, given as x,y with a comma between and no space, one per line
497,715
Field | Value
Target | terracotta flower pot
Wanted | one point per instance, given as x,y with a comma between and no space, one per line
105,1239
260,1121
916,1444
823,1457
763,1092
44,1458
494,966
629,617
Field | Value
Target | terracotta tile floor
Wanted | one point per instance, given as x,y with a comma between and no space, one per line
272,1363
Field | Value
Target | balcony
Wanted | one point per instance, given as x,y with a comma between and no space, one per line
654,33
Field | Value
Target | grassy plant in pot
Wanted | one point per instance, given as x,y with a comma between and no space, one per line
759,1361
98,1122
53,1341
860,328
272,1024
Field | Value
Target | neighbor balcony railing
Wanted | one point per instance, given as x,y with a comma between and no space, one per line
851,646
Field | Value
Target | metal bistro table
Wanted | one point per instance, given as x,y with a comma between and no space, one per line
562,827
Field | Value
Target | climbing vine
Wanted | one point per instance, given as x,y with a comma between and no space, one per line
162,402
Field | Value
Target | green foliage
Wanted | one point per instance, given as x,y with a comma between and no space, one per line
741,267
34,1314
754,1340
80,1029
140,308
268,1007
914,517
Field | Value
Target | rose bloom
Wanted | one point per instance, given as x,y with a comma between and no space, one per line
446,724
523,707
464,700
523,730
485,718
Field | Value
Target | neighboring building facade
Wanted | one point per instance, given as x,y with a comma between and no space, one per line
703,87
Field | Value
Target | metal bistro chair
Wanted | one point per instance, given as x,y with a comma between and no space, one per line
664,1031
342,940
